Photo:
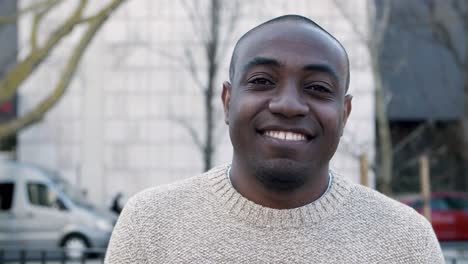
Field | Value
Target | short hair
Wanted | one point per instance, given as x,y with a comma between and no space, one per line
297,18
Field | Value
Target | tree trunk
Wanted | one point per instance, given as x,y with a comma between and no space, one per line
212,46
462,179
385,148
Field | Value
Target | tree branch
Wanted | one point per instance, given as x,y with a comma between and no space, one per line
232,21
408,139
382,23
22,70
441,31
192,68
187,62
193,133
362,37
199,27
31,8
37,20
38,112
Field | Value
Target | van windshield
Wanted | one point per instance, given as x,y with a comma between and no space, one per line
72,193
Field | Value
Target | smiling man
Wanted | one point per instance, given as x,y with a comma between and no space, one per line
286,106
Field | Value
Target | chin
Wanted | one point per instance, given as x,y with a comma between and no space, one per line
281,174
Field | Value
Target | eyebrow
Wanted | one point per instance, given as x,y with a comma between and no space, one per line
261,61
322,68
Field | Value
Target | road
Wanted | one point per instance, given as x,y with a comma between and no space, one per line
455,252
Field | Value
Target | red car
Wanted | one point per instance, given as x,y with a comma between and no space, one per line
449,213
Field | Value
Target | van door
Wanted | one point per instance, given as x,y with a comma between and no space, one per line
8,238
45,219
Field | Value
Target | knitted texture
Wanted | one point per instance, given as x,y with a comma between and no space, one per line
205,220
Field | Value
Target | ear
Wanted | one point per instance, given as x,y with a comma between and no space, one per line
346,110
226,98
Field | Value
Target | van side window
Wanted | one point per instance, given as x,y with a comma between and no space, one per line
6,196
39,194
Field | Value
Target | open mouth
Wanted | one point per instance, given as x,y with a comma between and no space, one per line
285,135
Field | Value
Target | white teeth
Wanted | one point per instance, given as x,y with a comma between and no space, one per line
285,135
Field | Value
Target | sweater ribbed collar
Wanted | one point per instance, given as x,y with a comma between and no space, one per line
239,206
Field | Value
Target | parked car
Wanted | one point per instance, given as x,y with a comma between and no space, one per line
449,214
41,211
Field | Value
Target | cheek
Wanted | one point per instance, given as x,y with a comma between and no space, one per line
331,119
240,116
243,110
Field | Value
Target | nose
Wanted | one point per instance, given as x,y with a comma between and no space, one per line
288,102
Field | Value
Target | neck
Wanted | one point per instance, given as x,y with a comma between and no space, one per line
244,180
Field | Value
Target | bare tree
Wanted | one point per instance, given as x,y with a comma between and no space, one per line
214,32
372,38
448,21
38,52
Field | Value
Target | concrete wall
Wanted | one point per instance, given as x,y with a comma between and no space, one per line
114,130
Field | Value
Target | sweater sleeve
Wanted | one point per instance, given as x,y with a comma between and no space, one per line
124,246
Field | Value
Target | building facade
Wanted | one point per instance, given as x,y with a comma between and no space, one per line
118,129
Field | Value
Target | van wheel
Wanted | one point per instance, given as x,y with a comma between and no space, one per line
75,246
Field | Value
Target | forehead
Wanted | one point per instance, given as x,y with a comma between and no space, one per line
293,44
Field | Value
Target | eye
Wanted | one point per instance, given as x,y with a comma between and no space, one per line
260,81
318,88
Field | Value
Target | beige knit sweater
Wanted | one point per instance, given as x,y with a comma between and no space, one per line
205,220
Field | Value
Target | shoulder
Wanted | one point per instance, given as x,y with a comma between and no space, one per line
393,224
385,209
175,196
386,204
164,195
367,200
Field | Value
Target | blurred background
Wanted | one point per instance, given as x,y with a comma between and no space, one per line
116,96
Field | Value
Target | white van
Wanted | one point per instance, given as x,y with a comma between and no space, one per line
40,211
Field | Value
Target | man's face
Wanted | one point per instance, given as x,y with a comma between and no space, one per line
286,107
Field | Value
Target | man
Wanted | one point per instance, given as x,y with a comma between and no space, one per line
286,106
